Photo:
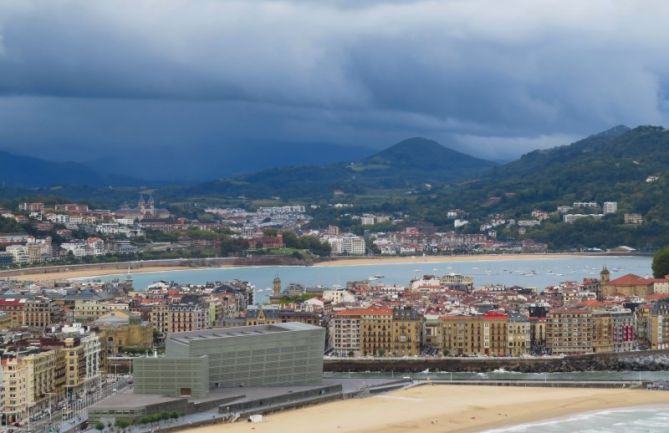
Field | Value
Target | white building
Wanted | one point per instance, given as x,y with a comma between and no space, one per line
19,254
367,220
37,251
348,244
345,333
459,223
353,245
610,207
336,245
338,296
570,218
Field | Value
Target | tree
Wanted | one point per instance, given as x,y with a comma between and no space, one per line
122,423
661,263
99,425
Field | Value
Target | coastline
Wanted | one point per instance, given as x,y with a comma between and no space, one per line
94,273
71,272
398,260
447,409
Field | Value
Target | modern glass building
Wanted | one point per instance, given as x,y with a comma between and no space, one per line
286,354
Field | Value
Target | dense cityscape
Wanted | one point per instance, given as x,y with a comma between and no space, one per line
63,341
288,216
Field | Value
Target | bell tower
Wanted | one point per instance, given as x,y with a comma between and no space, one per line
604,275
141,204
151,206
276,286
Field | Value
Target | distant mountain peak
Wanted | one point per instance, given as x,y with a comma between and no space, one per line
403,166
616,131
423,152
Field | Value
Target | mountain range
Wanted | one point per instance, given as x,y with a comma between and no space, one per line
424,179
412,163
29,172
195,164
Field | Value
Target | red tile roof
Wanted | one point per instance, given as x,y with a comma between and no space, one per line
13,301
371,311
656,296
631,280
495,315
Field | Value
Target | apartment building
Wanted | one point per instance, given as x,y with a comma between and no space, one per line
30,377
518,335
658,325
169,318
82,361
602,331
537,334
41,312
344,332
376,331
613,331
15,389
347,244
87,310
14,309
159,317
476,335
569,331
406,331
461,335
432,333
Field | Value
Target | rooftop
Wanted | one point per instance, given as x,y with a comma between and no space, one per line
240,331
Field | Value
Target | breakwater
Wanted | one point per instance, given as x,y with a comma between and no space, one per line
655,360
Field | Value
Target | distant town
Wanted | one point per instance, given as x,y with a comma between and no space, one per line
36,234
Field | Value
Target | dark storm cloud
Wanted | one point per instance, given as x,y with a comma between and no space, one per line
80,79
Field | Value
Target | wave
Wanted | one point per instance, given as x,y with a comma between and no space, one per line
624,420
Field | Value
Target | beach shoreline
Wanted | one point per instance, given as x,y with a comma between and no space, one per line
74,272
447,409
398,260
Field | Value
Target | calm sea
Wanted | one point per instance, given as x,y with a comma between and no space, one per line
537,273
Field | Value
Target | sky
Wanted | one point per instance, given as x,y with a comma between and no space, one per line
81,79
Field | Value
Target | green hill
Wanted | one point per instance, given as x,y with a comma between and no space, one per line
408,164
610,166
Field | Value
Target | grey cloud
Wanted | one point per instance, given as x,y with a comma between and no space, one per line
489,78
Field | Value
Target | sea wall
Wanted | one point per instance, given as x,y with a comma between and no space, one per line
630,361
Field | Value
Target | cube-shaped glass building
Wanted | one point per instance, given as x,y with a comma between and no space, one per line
286,354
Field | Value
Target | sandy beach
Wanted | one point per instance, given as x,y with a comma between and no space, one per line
391,260
39,274
444,409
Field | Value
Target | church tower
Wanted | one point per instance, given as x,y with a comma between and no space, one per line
276,287
604,275
151,206
141,204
